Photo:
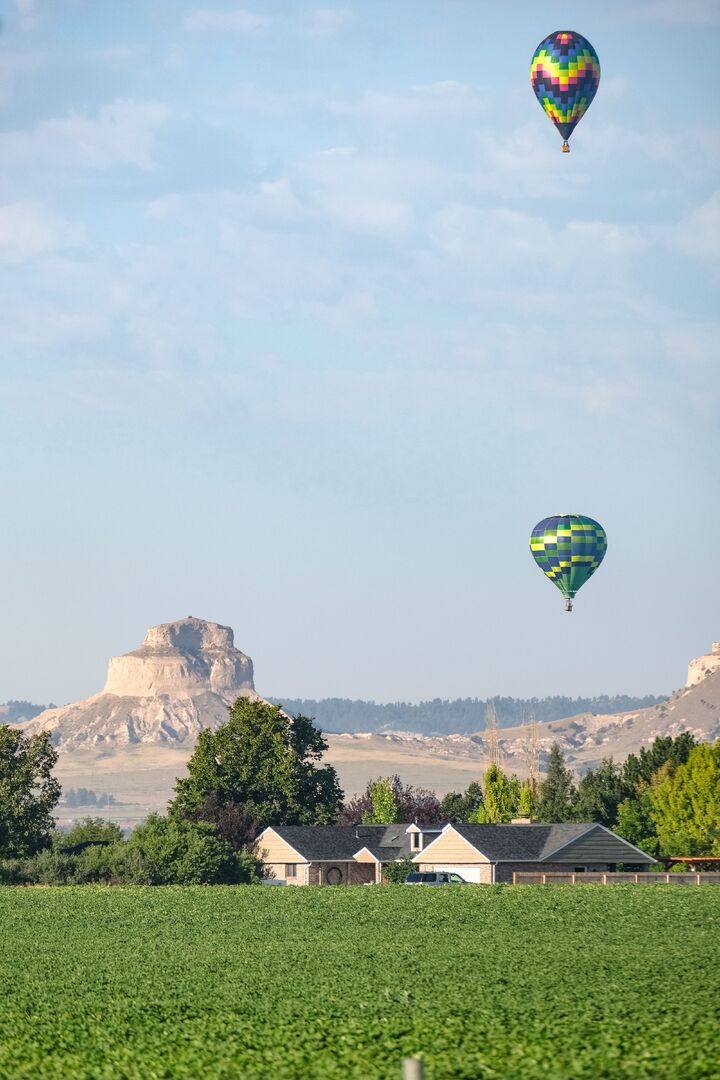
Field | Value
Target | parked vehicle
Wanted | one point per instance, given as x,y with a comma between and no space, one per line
435,877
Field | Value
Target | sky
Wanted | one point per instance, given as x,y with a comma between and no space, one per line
307,321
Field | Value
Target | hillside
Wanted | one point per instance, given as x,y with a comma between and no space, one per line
461,716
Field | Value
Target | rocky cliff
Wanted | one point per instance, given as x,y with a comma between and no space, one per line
181,680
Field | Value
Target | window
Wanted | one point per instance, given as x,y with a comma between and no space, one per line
291,869
579,869
415,841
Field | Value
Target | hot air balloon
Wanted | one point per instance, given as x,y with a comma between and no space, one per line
565,75
568,548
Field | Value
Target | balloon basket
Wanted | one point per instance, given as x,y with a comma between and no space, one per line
568,605
566,148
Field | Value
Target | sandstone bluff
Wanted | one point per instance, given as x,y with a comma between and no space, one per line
180,680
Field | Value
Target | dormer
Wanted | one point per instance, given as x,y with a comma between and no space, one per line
417,840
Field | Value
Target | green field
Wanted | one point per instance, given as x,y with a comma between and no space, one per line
496,981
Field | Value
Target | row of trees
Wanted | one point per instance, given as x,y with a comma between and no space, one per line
264,768
462,716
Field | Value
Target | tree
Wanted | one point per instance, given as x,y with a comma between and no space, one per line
412,804
396,873
526,800
639,769
500,795
635,823
384,808
28,792
89,830
167,851
599,794
264,761
458,807
686,805
557,791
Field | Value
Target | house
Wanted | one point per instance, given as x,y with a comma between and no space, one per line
492,853
338,854
355,854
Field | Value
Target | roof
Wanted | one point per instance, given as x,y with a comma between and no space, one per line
536,843
319,843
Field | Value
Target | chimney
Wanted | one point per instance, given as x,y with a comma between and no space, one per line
523,821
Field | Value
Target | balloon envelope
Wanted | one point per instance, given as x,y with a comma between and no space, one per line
565,75
568,548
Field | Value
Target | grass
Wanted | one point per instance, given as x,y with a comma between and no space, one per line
253,982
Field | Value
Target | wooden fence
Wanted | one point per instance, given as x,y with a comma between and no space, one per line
538,878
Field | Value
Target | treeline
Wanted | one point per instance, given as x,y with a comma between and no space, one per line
463,716
12,712
263,768
87,797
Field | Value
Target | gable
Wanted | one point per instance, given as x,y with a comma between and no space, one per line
364,856
450,847
597,845
276,850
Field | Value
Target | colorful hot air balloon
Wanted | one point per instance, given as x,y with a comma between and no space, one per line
565,75
568,548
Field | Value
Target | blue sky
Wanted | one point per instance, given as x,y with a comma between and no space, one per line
307,321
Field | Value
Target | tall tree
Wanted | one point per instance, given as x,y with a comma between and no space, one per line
384,803
264,761
599,793
686,805
526,800
640,769
500,794
557,791
458,807
28,792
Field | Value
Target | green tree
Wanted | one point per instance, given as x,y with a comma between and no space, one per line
499,797
28,792
264,761
167,851
686,805
640,769
599,793
526,801
635,823
384,809
457,806
89,830
557,791
396,873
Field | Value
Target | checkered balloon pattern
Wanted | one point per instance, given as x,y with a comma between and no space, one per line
565,75
568,548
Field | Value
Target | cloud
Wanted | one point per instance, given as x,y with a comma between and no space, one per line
699,233
29,229
122,133
13,66
29,14
692,12
235,22
327,22
432,100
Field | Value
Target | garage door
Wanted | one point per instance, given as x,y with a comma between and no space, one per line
469,873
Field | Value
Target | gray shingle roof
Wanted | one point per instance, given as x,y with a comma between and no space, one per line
318,843
521,843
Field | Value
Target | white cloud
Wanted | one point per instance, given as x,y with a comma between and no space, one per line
438,99
327,21
29,13
13,66
29,229
699,233
693,12
235,22
123,133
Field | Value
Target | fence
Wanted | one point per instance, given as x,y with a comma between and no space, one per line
538,878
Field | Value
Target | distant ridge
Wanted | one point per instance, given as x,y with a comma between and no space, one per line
461,716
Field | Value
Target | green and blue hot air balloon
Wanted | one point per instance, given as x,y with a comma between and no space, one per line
565,75
568,548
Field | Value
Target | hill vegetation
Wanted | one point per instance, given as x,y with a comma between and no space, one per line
461,716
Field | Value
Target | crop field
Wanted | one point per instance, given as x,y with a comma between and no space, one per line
254,982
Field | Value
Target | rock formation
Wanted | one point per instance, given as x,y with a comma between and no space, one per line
704,665
182,679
